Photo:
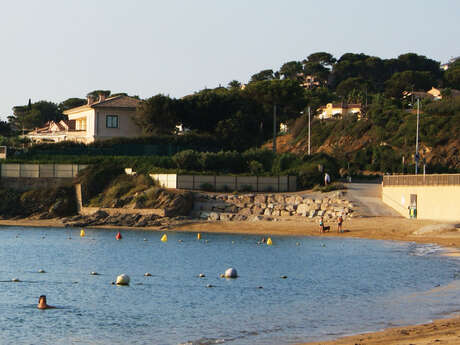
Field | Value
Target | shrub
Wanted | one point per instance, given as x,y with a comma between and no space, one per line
95,178
207,187
256,168
245,188
188,160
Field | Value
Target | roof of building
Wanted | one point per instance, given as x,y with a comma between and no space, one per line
120,101
342,106
53,126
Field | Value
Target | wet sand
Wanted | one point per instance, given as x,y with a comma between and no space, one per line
444,331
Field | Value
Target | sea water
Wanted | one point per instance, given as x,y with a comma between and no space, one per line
335,286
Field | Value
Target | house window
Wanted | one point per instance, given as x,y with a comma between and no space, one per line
111,121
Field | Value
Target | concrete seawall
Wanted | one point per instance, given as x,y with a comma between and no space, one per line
433,202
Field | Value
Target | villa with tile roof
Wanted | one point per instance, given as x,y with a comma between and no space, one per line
103,119
333,110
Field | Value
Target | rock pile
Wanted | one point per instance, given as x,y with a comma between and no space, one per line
135,220
270,206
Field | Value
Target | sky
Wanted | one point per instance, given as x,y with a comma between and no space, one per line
57,49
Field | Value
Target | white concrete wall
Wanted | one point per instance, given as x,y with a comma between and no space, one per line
433,202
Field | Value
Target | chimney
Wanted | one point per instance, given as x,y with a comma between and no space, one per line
101,97
90,100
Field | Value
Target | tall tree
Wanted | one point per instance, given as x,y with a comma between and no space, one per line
291,70
266,74
158,114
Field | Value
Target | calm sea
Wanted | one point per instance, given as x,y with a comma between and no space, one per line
334,287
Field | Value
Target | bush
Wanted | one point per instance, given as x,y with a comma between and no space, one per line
207,187
187,160
256,168
245,188
95,178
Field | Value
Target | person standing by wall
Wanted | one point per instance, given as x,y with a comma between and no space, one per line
327,179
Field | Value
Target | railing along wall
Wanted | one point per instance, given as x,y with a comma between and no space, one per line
421,180
12,170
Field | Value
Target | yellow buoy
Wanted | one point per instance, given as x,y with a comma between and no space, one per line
269,241
82,233
164,238
198,236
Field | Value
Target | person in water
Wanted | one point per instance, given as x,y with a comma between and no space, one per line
42,303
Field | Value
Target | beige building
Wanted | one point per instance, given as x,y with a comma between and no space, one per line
103,119
332,110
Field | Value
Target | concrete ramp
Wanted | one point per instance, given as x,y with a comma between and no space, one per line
368,198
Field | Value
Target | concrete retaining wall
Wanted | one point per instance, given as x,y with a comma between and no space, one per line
433,202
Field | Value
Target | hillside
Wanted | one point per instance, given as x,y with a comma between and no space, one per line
380,140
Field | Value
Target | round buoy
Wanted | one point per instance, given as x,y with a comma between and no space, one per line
209,286
269,241
145,239
180,241
15,280
221,275
82,233
118,236
297,244
147,274
201,275
198,236
260,287
230,273
164,238
41,271
283,277
123,279
94,273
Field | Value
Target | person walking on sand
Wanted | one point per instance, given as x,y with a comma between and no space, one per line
327,179
339,224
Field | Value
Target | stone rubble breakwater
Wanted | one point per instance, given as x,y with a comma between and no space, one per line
234,207
253,207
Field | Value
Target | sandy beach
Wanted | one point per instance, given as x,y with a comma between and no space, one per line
444,331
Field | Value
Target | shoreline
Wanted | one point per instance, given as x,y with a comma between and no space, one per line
440,331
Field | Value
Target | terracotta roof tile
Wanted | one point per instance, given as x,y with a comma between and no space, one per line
117,102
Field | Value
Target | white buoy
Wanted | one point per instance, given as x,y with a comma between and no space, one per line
147,274
94,273
201,275
15,280
41,271
231,273
122,279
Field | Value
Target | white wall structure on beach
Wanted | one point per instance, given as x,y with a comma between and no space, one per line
228,183
437,196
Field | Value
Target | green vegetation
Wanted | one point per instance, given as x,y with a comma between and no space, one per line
227,125
47,203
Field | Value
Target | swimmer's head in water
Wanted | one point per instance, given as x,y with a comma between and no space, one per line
42,298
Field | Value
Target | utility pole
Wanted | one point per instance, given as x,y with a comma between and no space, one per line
309,132
274,128
416,138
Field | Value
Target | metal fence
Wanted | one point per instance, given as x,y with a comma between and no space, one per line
41,170
422,180
228,183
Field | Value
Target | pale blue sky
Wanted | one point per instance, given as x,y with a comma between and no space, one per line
57,49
